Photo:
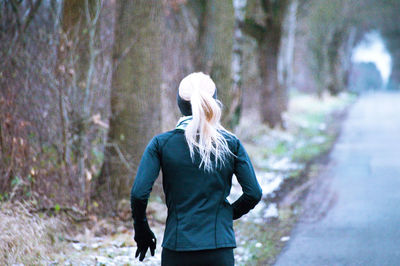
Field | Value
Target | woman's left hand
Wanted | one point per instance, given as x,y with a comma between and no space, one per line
145,240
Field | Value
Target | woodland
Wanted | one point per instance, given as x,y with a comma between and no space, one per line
85,84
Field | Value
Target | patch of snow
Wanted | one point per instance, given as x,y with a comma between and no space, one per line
117,243
282,164
322,126
79,246
269,182
301,143
95,245
236,190
285,238
303,123
242,255
122,260
318,139
271,211
258,209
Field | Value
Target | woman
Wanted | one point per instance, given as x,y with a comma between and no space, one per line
197,159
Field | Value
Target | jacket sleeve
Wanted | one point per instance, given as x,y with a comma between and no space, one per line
246,177
146,175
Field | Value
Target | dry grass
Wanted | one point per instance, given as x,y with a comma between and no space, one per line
25,237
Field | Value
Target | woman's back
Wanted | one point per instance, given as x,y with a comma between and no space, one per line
199,216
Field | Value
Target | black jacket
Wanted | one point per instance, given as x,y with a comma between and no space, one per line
199,215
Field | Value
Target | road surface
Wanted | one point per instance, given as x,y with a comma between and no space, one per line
353,216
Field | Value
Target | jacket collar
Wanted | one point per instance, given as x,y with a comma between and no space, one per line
183,122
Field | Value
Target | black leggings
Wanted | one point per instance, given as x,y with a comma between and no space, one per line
209,257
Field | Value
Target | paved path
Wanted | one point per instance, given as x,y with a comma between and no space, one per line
355,211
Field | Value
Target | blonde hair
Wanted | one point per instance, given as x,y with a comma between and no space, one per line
203,131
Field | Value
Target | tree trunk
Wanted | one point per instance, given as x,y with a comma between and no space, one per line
135,95
394,78
215,44
393,45
221,70
206,37
286,58
273,97
339,59
179,37
333,62
346,53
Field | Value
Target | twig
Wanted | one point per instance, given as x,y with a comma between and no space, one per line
64,209
32,11
120,155
68,211
69,239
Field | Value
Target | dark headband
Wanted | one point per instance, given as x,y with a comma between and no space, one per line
185,106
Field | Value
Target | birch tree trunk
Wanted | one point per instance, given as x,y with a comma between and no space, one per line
234,112
285,61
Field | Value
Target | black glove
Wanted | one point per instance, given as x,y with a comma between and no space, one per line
145,239
243,205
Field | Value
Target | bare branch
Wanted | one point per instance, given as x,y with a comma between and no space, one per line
32,11
253,29
14,8
120,155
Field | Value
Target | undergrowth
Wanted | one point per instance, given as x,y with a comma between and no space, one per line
26,237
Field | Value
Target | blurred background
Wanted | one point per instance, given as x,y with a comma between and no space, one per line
85,85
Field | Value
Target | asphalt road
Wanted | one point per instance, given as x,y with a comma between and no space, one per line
353,216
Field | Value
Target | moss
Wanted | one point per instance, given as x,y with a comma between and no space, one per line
295,173
312,150
280,149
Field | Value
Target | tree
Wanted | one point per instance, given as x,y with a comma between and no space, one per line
390,29
197,36
214,49
234,111
75,69
268,35
135,93
394,78
334,29
286,58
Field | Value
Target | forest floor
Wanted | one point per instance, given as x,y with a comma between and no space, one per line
285,162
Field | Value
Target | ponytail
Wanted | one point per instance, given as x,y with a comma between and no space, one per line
203,133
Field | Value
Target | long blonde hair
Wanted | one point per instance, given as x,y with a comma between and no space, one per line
203,131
